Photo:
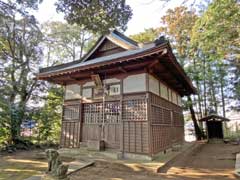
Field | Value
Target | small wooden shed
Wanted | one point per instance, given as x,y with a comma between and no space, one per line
214,126
123,93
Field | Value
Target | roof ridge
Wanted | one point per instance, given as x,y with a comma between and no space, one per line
125,37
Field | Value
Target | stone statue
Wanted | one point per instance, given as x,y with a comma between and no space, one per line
55,167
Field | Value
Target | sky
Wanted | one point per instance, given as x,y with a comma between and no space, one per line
146,13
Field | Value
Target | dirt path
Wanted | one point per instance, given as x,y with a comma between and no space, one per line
209,162
20,165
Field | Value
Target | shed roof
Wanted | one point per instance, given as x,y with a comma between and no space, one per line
214,117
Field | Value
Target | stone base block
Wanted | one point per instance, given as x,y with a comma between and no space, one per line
134,156
50,177
176,147
237,165
96,145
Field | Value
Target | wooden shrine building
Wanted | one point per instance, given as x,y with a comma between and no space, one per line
214,126
122,93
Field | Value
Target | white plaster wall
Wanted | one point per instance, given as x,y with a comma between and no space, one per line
72,91
179,100
174,97
87,93
169,94
153,85
164,91
90,83
134,83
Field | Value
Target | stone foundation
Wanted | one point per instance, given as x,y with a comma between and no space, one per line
96,145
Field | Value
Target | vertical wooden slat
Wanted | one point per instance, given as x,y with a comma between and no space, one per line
129,137
149,124
169,129
135,137
62,140
121,118
141,137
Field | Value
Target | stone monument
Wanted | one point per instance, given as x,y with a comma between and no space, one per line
56,169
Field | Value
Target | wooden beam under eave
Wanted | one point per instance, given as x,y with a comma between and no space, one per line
154,63
122,69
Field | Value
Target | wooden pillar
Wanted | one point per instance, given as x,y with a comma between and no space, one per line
121,118
149,123
80,123
62,137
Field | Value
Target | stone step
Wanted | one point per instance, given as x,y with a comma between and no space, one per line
237,165
78,165
35,177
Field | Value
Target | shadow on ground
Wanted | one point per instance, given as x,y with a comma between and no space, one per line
21,165
211,161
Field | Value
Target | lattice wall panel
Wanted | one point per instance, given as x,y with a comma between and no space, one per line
135,125
93,113
167,123
157,115
135,137
95,127
90,132
178,119
71,112
135,110
70,134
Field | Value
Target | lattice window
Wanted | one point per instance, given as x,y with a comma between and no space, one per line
167,116
93,113
157,115
135,110
71,112
111,112
178,119
114,89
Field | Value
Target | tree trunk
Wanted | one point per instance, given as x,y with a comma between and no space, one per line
198,132
222,91
213,93
204,87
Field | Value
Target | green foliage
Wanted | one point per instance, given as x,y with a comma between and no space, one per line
217,35
4,120
206,55
148,35
20,56
96,16
64,42
49,117
217,32
178,23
